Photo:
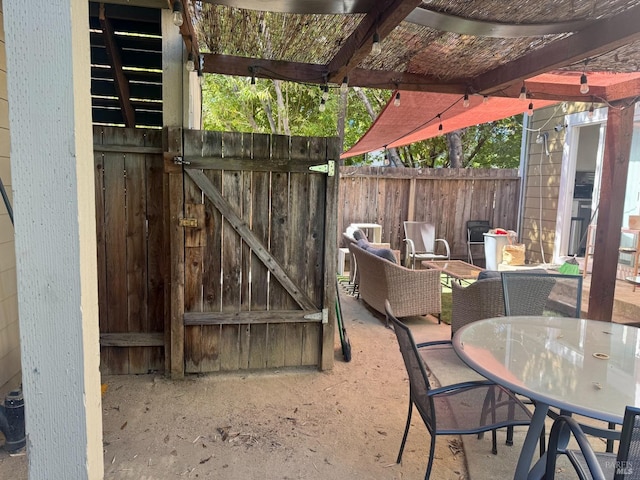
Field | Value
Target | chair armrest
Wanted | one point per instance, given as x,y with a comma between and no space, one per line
446,246
459,386
409,252
411,248
561,431
433,343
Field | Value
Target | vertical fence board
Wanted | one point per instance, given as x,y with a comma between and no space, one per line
98,159
136,254
116,241
156,253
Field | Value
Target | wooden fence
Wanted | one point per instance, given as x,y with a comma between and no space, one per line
445,197
133,246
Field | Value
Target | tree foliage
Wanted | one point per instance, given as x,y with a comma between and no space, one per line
271,106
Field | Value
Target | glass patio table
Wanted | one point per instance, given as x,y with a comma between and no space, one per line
581,366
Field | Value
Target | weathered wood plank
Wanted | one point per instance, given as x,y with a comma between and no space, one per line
98,159
194,241
272,164
248,236
253,317
140,149
136,226
156,261
132,339
175,209
116,243
327,335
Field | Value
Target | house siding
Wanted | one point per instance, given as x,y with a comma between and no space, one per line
542,187
9,331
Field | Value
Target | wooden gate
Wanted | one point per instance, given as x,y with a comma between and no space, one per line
252,233
131,249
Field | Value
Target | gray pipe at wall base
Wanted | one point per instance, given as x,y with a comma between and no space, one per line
12,421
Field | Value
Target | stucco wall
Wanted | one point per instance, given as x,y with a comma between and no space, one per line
9,333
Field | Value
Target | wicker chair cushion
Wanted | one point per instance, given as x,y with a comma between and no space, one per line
488,274
385,253
360,235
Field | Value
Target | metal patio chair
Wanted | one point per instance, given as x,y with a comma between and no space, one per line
421,241
536,292
475,235
482,299
625,465
470,407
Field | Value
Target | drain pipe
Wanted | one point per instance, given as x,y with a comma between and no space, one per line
12,421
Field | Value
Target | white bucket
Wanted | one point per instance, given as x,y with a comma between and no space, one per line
493,244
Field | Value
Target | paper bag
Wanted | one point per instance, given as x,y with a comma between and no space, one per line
513,254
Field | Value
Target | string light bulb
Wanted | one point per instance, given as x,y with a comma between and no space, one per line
530,109
584,84
485,98
190,65
523,92
323,105
465,101
177,13
376,47
396,101
439,126
325,93
345,85
590,114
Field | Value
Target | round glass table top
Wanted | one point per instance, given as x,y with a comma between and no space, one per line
584,366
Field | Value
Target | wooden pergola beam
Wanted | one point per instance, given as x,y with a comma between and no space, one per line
383,18
600,37
121,82
613,185
316,74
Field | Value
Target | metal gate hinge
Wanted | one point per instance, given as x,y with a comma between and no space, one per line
188,222
323,315
329,168
180,161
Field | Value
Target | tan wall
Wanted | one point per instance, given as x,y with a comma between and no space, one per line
542,185
9,333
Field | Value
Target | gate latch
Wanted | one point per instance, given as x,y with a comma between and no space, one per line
188,222
329,168
180,161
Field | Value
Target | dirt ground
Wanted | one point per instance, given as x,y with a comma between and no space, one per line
286,424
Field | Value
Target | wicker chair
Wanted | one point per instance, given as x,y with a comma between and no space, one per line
586,462
482,299
410,292
463,408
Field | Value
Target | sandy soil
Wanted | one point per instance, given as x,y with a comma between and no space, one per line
343,423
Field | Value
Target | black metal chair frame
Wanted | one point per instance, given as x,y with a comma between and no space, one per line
589,464
532,299
475,235
497,407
